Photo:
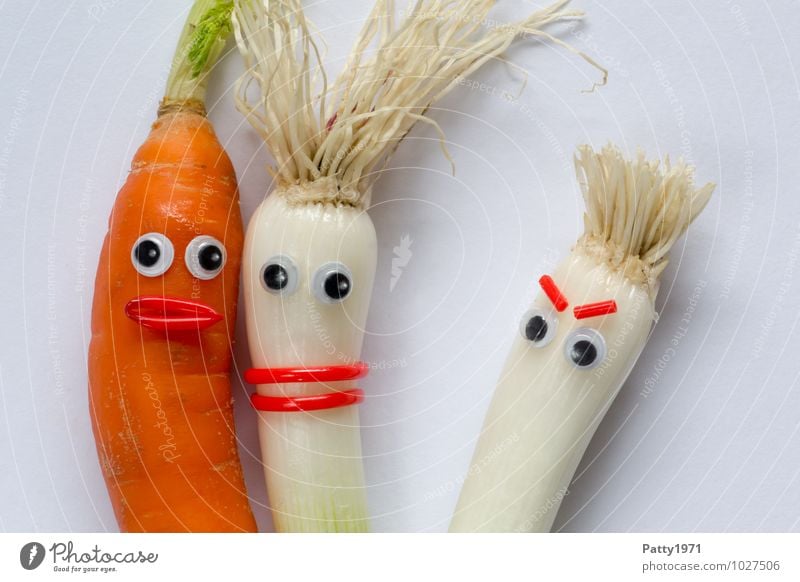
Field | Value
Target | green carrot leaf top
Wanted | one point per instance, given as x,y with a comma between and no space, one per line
214,26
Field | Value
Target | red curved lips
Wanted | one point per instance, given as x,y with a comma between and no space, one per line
170,313
309,402
338,373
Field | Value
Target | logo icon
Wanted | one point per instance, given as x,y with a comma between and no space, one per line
31,555
402,254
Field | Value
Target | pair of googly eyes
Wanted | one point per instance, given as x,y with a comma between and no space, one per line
152,255
584,348
331,283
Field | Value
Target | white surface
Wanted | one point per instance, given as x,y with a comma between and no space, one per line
714,446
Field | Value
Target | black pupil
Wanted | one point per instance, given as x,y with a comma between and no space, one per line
583,353
275,277
147,253
210,257
536,328
337,286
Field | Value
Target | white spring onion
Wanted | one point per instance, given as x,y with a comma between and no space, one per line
310,251
578,342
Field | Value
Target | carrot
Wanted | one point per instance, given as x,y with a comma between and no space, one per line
164,311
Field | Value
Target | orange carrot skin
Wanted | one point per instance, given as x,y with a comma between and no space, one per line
160,401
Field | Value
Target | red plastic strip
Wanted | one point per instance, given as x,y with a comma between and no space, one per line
595,309
307,403
318,374
553,293
170,313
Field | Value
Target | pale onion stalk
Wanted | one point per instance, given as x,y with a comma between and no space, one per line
312,460
545,408
329,143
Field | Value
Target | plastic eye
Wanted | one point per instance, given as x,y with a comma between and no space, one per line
279,275
585,348
152,254
538,327
205,257
333,282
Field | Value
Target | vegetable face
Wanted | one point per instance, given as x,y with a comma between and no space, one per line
560,377
308,275
164,308
311,247
577,343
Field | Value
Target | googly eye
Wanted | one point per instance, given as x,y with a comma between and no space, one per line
152,254
332,283
585,348
279,275
538,327
205,256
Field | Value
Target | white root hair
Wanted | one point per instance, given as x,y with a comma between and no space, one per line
330,143
636,209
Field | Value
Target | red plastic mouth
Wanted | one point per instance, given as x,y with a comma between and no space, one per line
318,374
171,314
307,403
311,402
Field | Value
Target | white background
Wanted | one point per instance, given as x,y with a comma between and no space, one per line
713,447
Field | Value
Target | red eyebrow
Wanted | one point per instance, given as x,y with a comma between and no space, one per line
595,309
553,293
